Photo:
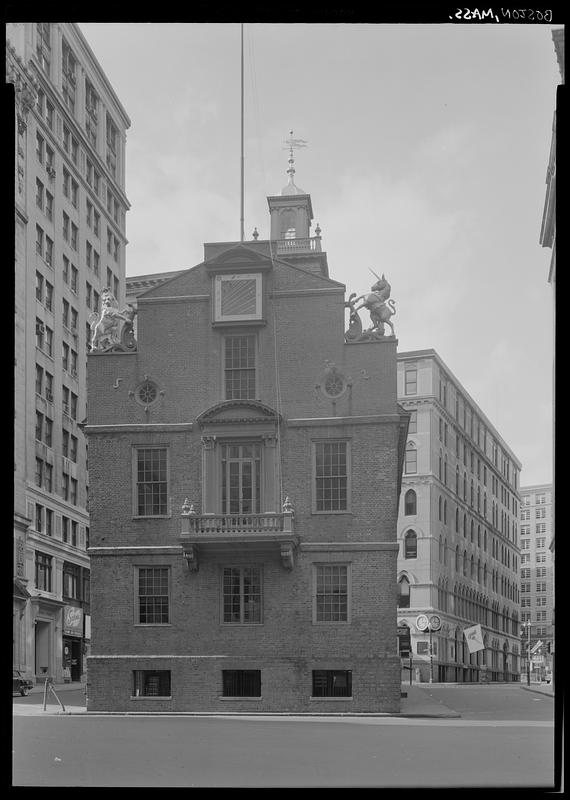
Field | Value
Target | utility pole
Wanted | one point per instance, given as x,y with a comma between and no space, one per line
241,219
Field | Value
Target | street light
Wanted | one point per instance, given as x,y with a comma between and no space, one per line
527,625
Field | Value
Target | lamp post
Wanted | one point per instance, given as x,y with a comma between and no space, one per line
527,625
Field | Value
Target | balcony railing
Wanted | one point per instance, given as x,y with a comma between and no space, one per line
311,244
238,523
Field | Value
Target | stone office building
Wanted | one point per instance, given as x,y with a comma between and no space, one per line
69,220
459,549
245,463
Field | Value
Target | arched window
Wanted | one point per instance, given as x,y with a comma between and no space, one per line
411,459
439,506
410,503
439,469
472,569
445,512
465,486
472,530
465,525
478,498
445,470
478,536
465,563
410,545
403,592
478,570
485,540
457,558
457,520
440,553
457,480
485,575
445,551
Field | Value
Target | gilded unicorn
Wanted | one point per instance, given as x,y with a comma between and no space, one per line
377,303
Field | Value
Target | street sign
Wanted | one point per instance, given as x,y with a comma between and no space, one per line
536,647
422,622
434,622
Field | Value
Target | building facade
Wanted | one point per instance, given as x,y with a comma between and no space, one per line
245,466
537,578
458,556
70,205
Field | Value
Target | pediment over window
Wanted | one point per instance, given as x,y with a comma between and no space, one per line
239,412
236,258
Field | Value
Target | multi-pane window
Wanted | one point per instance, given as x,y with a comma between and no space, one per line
43,572
410,380
39,518
73,491
65,525
69,70
91,112
151,482
540,558
525,514
540,527
112,138
525,544
411,545
539,513
242,595
332,683
541,616
239,367
525,573
331,593
540,572
241,683
540,542
43,45
540,499
49,522
413,425
71,581
39,473
241,478
410,459
153,595
525,587
331,476
151,683
410,503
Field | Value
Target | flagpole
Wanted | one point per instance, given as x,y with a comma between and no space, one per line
241,160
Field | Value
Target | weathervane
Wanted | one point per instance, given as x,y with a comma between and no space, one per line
291,145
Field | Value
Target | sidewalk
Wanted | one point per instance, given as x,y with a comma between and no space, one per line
540,688
418,703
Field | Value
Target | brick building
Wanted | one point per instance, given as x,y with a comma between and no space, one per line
69,220
245,466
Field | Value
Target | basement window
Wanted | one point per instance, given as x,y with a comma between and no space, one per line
241,682
151,683
332,683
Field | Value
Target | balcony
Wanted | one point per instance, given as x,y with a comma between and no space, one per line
309,245
216,533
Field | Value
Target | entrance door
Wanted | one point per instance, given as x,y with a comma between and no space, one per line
241,478
42,637
75,660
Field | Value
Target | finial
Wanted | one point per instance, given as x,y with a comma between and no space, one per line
292,143
255,234
287,506
318,231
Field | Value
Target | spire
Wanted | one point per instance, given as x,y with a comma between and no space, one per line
292,143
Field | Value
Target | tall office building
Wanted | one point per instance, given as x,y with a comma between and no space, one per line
70,206
458,557
537,577
245,477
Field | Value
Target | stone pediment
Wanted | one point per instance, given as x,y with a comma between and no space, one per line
239,412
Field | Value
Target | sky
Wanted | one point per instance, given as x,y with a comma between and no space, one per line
427,149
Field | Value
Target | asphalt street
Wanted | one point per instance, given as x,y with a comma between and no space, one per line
504,738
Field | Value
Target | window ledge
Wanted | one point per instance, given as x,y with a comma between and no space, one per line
152,697
152,624
327,698
241,698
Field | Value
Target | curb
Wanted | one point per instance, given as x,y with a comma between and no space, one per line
544,692
238,715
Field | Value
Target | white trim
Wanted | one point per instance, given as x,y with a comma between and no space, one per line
243,276
315,567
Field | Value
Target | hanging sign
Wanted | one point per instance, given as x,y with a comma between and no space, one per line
474,637
73,620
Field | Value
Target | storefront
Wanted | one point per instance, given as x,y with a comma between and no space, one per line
72,656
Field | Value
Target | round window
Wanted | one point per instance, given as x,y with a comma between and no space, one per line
147,393
334,385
